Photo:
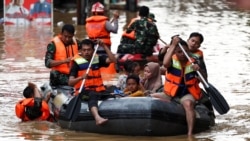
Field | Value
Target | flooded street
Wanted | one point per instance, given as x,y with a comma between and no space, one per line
226,48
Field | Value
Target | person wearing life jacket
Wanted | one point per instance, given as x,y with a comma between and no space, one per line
181,80
93,84
98,26
33,106
194,42
146,34
129,38
59,53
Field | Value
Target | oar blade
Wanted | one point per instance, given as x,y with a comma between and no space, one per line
72,107
77,110
218,101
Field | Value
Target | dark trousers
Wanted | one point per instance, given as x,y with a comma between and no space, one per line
94,96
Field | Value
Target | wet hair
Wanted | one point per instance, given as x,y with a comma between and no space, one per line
197,34
87,42
69,28
129,66
134,77
28,92
183,43
143,11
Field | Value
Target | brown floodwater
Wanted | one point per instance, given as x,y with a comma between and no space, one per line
226,49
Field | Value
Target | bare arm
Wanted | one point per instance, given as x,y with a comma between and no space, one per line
36,91
168,56
74,80
164,49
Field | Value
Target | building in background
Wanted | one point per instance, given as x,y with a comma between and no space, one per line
27,12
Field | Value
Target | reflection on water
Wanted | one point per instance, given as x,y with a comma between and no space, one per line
226,49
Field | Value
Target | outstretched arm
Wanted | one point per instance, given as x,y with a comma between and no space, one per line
73,79
35,89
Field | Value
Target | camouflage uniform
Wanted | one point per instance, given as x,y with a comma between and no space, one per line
56,78
146,38
126,40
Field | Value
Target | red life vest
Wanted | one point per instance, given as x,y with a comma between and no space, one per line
174,77
62,53
96,29
29,102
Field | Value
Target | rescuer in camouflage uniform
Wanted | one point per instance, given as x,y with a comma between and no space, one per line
146,34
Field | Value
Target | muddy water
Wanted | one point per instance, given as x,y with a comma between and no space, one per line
226,48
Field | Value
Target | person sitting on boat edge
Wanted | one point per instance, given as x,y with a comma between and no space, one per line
133,86
130,67
176,86
33,107
59,53
93,86
194,42
146,34
152,78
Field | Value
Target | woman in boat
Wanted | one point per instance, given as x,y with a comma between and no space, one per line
152,77
133,86
33,107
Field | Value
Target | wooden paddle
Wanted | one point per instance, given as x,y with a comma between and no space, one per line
74,106
217,100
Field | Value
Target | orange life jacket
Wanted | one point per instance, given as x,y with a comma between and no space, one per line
130,35
29,102
174,77
96,29
62,53
198,54
94,80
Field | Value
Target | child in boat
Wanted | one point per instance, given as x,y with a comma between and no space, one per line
130,67
152,77
133,87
